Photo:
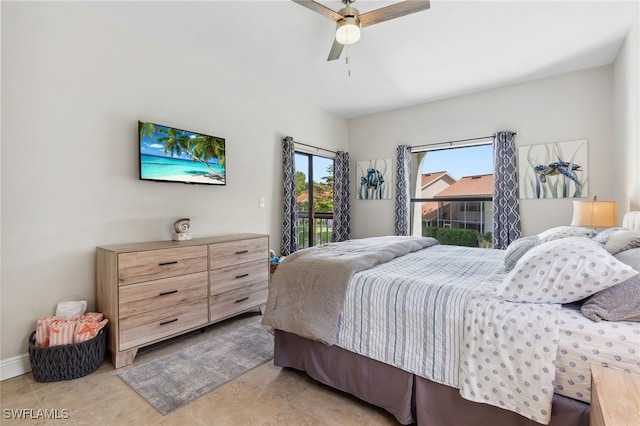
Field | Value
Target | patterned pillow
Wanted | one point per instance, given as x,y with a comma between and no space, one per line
620,302
517,249
603,236
563,271
564,232
623,240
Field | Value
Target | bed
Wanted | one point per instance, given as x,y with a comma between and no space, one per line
444,335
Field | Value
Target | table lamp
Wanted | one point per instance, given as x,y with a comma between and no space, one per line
595,214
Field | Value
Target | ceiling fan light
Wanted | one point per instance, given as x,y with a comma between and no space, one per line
348,31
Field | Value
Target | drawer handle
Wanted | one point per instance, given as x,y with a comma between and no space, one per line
168,322
167,263
242,252
242,276
241,300
164,293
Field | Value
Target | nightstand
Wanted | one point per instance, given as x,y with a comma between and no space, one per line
615,397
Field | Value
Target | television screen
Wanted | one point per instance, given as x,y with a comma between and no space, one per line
173,155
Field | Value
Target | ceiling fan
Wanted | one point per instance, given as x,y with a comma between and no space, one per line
349,20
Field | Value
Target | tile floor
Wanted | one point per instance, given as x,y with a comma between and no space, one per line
266,395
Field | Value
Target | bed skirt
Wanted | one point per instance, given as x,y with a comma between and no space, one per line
409,398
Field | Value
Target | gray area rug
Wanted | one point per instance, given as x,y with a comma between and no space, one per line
176,379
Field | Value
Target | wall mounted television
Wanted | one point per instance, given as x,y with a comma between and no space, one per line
168,154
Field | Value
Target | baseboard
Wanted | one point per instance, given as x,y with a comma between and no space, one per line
15,366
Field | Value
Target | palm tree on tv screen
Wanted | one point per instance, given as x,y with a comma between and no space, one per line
147,130
208,147
200,148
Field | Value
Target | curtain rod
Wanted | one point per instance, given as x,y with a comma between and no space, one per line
317,148
456,141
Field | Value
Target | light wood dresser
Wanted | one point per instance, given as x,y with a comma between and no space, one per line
153,291
615,397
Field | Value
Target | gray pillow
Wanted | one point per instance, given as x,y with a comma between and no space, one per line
620,302
603,236
621,241
517,249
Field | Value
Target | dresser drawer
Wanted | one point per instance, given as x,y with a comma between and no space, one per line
136,299
145,328
150,265
226,304
237,252
232,277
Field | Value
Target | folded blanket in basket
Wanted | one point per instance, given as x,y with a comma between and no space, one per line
87,330
42,330
61,332
54,331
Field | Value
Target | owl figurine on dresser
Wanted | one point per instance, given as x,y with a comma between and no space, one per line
181,228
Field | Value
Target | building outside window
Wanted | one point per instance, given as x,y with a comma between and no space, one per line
314,190
453,189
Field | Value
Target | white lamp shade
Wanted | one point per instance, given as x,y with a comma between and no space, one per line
596,214
348,31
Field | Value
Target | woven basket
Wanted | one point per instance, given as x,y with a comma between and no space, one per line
66,362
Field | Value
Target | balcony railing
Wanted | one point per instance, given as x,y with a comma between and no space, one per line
315,233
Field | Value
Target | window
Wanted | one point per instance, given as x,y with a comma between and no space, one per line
314,189
453,188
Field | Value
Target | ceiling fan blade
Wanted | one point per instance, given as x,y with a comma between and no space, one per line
393,11
336,50
319,8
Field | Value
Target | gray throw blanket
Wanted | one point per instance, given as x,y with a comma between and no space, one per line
620,302
308,289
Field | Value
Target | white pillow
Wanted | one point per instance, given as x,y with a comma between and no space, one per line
564,232
563,271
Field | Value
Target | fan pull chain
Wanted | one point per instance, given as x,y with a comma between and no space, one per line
347,62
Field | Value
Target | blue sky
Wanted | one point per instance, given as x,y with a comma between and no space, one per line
459,162
320,165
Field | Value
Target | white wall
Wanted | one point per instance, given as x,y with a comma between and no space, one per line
626,119
74,86
563,108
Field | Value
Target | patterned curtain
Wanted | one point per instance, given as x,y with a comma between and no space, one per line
506,207
403,196
341,198
289,205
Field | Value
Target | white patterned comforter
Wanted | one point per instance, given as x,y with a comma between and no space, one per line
509,355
